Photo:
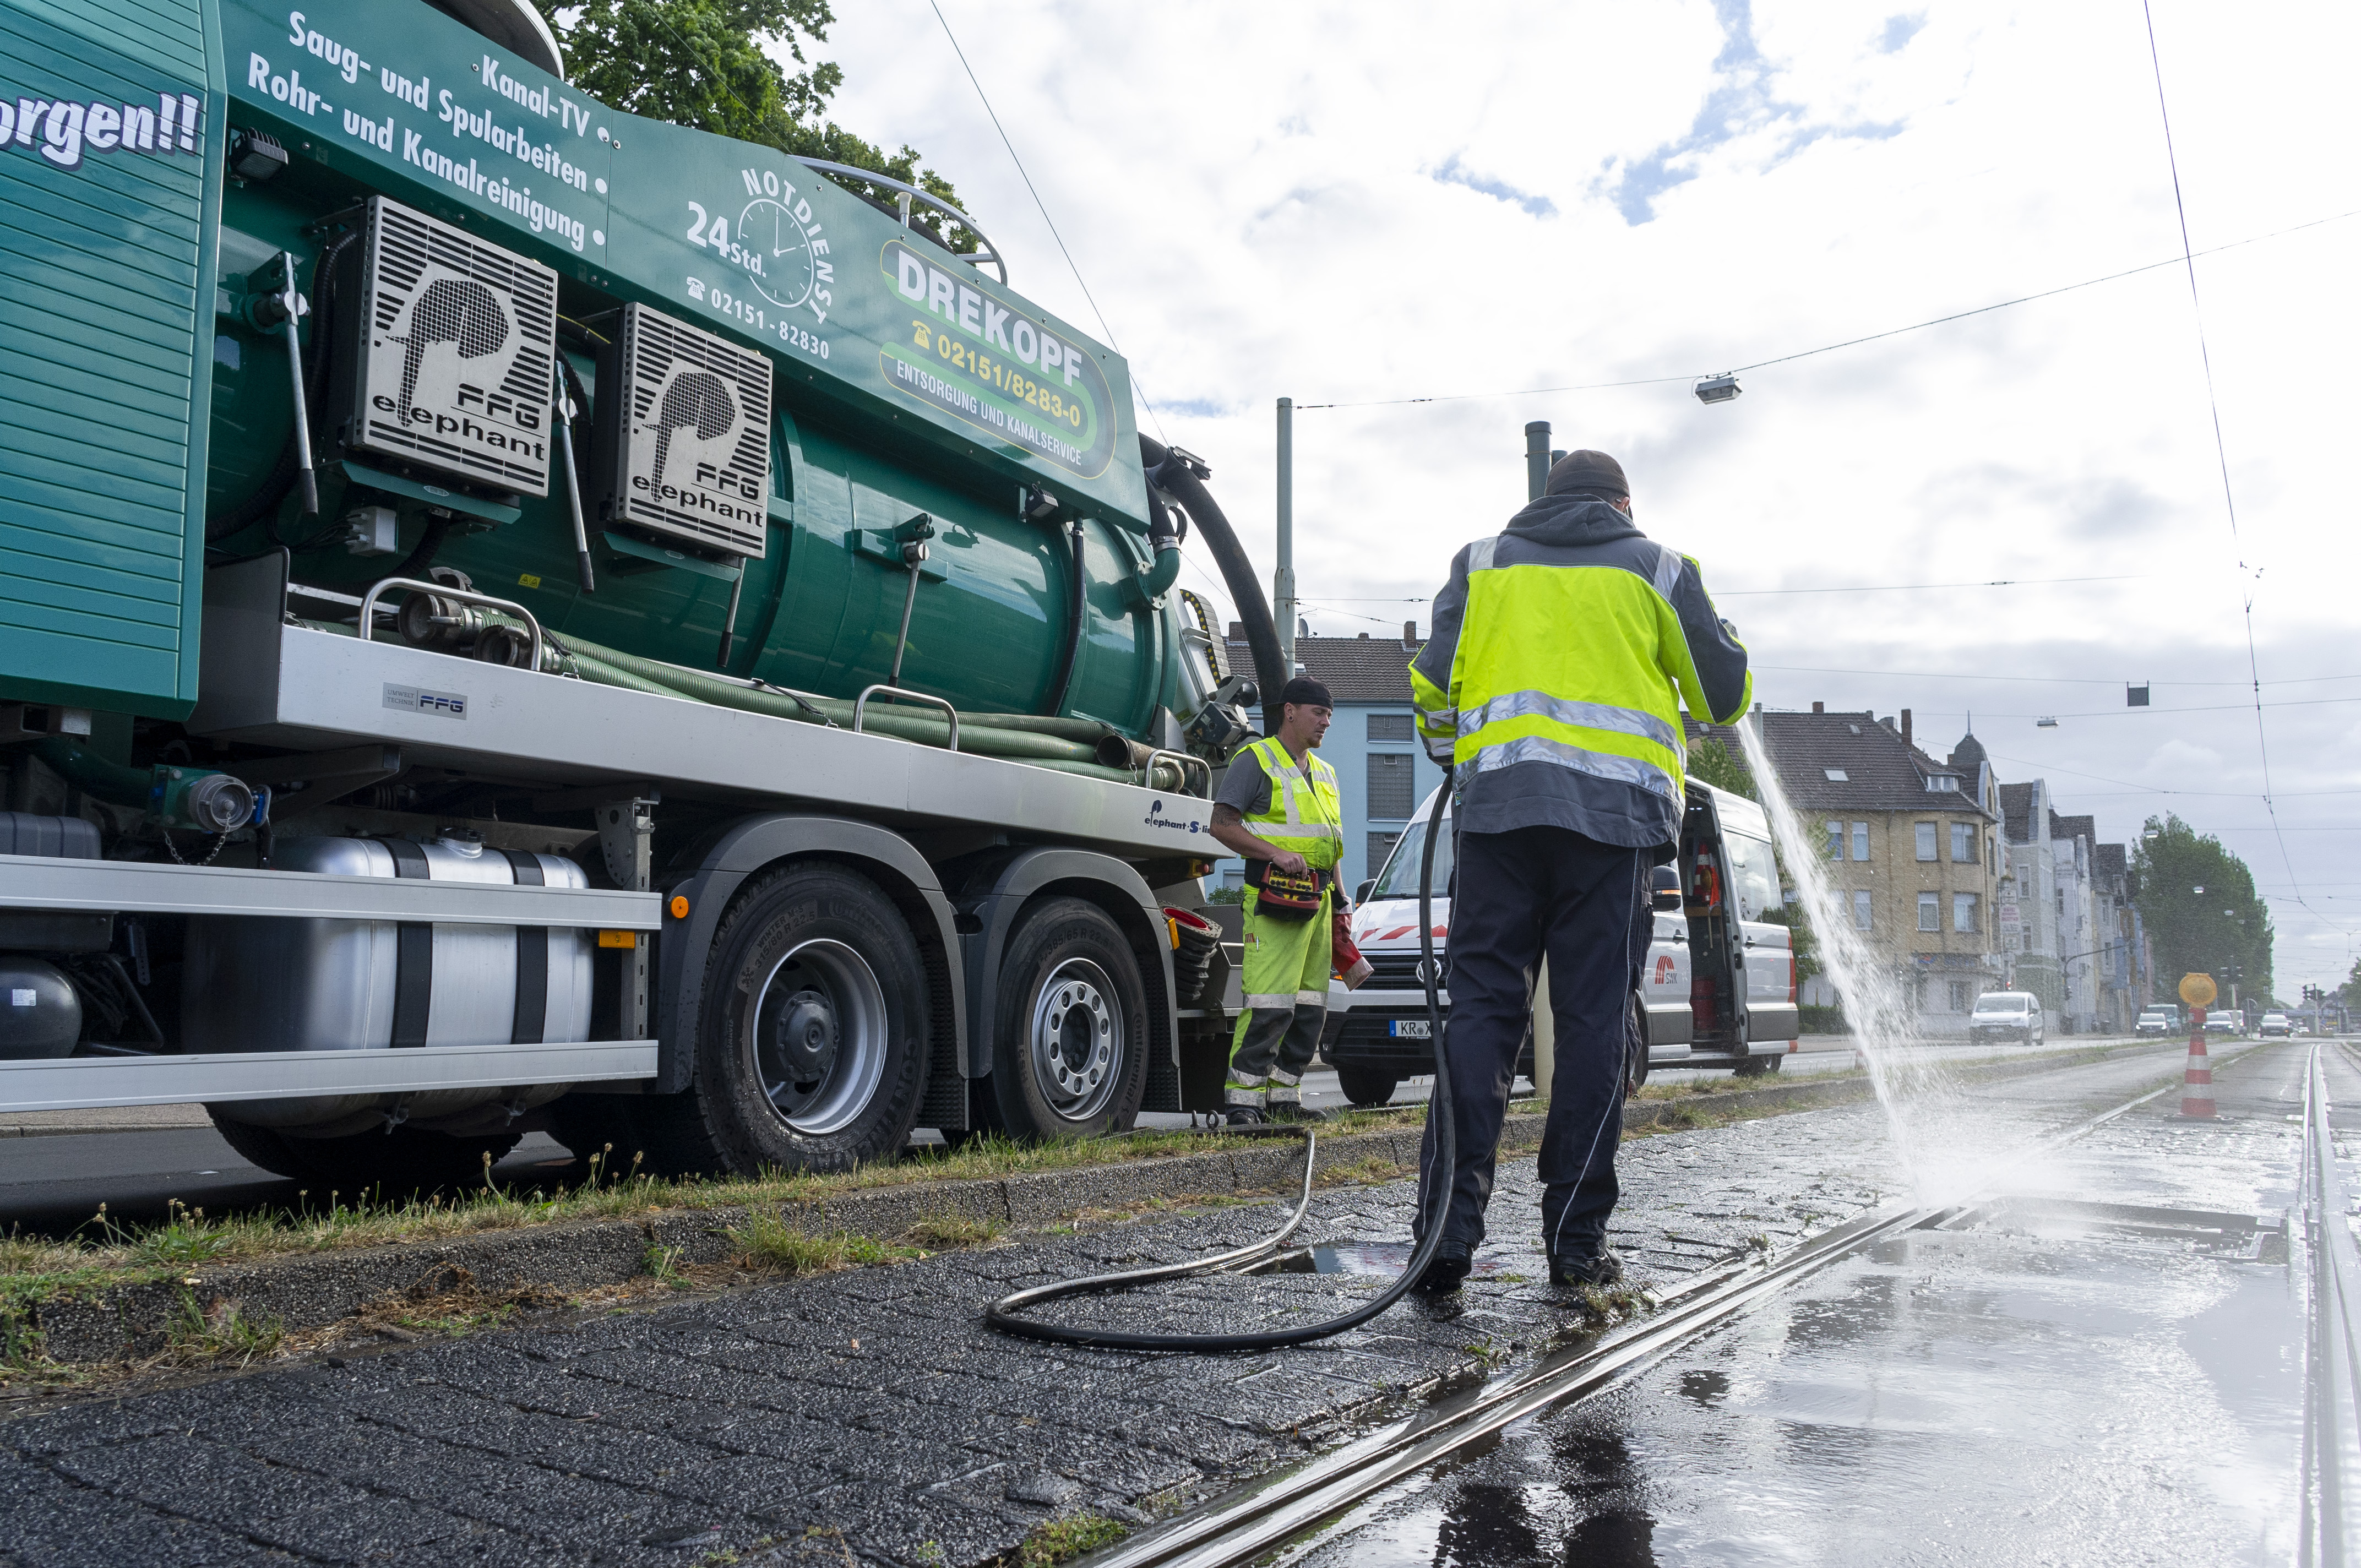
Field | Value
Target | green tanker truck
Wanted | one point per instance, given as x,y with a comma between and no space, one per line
516,614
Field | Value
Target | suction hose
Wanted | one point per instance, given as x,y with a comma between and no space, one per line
1238,572
1002,1314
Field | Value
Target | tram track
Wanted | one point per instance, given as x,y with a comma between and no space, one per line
1252,1520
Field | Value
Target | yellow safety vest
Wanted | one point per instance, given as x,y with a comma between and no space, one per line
1566,666
1307,811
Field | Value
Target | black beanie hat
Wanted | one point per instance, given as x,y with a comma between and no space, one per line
1305,690
1586,471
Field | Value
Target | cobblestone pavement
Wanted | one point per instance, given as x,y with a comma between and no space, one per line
868,1416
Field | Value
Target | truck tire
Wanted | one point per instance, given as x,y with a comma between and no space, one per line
383,1164
1758,1067
1070,1037
1367,1086
812,1044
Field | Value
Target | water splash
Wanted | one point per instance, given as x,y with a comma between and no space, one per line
1920,1099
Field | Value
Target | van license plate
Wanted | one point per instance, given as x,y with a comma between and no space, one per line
1411,1029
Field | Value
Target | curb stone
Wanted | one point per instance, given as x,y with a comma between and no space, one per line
313,1290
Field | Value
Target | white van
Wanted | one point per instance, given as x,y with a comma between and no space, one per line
1718,989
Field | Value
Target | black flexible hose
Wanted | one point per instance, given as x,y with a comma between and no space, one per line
1002,1314
1237,574
1078,609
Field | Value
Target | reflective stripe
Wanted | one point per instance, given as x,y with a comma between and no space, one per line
1293,830
1245,1079
1284,1097
1605,765
1588,715
1480,555
1440,749
1311,999
1668,571
1273,1001
1242,1097
1285,1079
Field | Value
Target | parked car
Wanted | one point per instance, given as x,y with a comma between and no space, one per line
1719,989
2008,1016
2225,1023
2275,1026
2155,1020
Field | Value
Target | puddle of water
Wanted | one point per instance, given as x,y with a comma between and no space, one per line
1986,1395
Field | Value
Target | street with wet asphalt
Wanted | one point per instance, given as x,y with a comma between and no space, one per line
2039,1385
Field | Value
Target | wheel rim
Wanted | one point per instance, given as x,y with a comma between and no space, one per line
821,1037
1078,1039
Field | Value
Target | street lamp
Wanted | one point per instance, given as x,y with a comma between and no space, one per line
1718,389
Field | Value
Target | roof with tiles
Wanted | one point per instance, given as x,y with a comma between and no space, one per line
1852,762
1355,669
2086,828
2016,806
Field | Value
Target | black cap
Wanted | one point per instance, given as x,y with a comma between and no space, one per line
1586,471
1304,689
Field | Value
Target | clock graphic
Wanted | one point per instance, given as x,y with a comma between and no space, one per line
780,259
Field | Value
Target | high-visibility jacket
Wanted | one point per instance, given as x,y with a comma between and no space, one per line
1306,812
1563,651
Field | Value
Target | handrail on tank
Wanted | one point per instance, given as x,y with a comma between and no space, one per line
444,590
991,252
860,706
1147,775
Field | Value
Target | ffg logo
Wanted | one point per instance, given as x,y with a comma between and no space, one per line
1156,819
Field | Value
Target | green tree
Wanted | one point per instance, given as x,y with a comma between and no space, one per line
702,63
2351,990
2196,932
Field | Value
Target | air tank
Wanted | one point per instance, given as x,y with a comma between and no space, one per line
913,396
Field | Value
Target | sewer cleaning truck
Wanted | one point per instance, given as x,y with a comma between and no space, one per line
515,614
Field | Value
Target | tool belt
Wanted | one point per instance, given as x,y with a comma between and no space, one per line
1283,896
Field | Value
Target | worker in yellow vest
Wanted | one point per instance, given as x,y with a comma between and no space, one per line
1279,806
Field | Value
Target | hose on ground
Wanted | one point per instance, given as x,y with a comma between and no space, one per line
1002,1314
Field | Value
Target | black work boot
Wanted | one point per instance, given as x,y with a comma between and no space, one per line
1596,1264
1246,1117
1294,1110
1450,1265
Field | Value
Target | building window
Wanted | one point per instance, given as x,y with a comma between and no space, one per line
1930,912
1861,840
1391,727
1861,910
1380,846
1943,783
1836,841
1391,788
1835,776
1963,995
1963,843
1963,913
1925,841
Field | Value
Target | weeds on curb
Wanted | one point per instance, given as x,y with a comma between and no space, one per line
767,1240
1605,1307
1057,1541
948,1233
218,1329
661,1263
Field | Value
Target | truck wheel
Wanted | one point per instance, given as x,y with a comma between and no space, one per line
1069,1041
811,1045
1758,1067
387,1165
1366,1086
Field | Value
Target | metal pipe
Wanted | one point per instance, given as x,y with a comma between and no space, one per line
860,706
1537,459
901,642
444,590
296,307
1282,586
563,404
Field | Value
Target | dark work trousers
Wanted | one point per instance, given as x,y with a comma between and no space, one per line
1516,897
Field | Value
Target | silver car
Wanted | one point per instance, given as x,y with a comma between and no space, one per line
2008,1016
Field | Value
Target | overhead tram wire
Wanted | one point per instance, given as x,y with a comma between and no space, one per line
993,114
2221,448
2186,258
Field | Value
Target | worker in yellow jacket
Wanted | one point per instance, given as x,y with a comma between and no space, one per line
1279,806
1563,649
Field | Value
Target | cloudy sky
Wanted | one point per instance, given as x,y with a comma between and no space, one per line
1352,204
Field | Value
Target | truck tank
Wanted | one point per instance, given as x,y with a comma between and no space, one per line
912,398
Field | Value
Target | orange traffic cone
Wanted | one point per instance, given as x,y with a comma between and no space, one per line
2197,1079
